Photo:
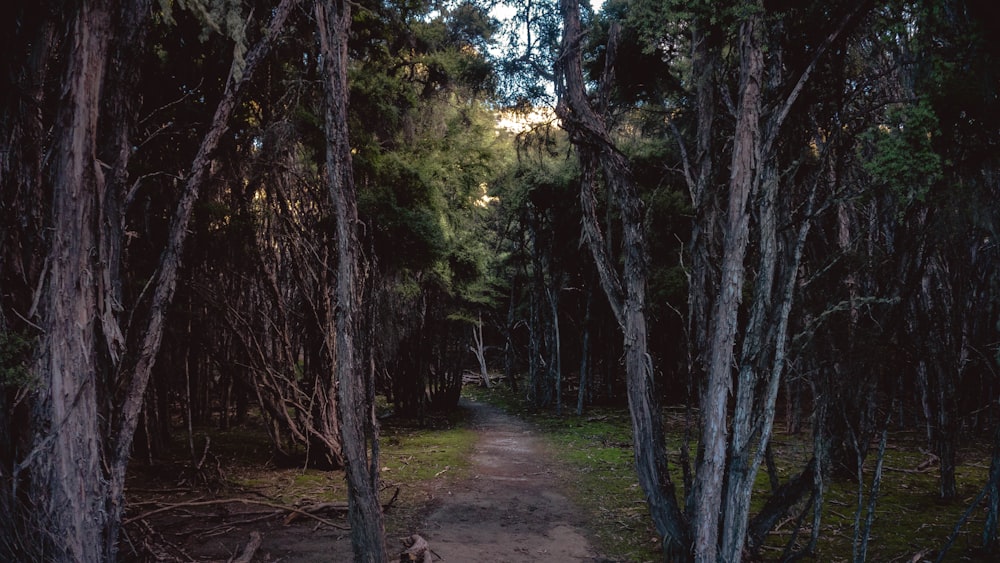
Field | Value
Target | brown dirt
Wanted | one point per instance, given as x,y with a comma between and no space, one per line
510,508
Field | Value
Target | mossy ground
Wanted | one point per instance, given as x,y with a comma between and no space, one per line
596,451
595,458
416,459
422,460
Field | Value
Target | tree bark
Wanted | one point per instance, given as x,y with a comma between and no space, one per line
555,350
746,158
585,366
509,353
333,18
67,485
626,294
480,351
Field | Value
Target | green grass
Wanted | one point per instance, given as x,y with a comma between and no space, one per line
411,455
421,461
596,457
416,460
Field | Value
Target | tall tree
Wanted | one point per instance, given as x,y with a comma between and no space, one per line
625,291
67,485
357,416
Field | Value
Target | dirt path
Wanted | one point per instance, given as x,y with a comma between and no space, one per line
511,508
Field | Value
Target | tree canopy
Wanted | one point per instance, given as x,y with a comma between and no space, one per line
311,213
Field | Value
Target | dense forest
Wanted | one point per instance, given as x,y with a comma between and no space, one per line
296,210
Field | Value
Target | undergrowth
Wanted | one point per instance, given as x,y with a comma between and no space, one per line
911,524
416,462
595,462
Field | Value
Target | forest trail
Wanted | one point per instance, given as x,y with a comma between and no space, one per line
510,509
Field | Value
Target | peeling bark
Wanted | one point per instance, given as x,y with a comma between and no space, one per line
67,484
709,480
626,293
358,431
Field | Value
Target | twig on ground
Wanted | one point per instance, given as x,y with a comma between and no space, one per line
175,506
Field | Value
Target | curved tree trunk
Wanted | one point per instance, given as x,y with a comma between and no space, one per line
626,293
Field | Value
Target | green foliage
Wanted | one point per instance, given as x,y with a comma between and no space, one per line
15,354
527,51
224,17
902,153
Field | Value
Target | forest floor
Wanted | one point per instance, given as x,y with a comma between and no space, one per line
512,508
495,482
484,489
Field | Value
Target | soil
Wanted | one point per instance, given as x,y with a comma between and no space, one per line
510,508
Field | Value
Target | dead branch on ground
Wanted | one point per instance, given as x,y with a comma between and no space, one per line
277,506
248,551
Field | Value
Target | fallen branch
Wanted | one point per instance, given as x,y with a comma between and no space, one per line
917,471
274,505
332,506
392,501
312,509
247,555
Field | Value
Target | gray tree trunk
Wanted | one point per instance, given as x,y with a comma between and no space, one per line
746,158
479,350
333,18
626,293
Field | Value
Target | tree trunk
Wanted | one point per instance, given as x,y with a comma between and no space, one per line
333,18
480,351
585,366
702,282
555,350
509,353
135,369
540,340
67,485
992,492
864,515
746,158
627,293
